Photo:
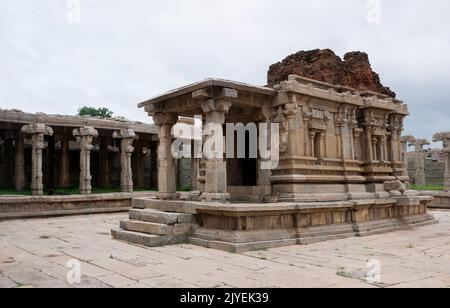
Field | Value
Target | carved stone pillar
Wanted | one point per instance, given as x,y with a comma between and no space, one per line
405,141
345,132
375,148
19,175
37,132
312,136
357,143
84,136
369,143
419,161
264,174
215,103
167,186
127,137
445,139
216,166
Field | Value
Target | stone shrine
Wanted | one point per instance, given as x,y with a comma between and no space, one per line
341,170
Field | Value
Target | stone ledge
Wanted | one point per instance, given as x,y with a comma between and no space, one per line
47,206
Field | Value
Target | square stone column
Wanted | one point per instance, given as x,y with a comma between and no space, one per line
405,141
445,139
84,136
214,146
167,186
37,132
419,161
127,137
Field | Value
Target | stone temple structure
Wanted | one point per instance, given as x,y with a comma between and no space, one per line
341,169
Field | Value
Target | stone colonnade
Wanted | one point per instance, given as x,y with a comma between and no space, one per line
85,136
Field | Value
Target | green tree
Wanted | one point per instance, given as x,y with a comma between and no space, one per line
95,112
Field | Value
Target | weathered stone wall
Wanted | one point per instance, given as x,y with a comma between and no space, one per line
434,171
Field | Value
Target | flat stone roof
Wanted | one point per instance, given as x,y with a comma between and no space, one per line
208,83
296,84
20,117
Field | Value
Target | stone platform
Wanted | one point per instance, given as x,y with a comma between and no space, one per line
239,227
14,207
441,199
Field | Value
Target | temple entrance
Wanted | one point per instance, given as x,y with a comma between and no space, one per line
242,171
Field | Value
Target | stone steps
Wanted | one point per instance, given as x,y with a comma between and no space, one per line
157,216
146,227
147,240
152,227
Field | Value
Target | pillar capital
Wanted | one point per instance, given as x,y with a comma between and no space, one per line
37,128
443,137
126,133
408,139
86,131
216,105
420,143
161,118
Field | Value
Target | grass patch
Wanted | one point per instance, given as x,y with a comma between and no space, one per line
184,188
427,187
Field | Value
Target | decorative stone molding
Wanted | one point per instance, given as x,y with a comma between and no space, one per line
85,135
37,132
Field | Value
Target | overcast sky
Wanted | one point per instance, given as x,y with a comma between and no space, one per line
123,52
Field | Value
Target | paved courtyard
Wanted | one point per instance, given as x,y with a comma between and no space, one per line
35,253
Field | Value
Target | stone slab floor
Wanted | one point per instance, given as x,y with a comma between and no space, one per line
35,253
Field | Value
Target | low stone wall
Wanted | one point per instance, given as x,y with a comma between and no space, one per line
441,199
16,207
